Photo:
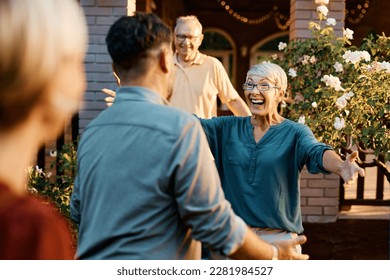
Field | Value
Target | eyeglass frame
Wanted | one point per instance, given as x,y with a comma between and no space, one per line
183,37
245,86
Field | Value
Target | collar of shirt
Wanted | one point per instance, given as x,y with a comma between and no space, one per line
198,58
139,93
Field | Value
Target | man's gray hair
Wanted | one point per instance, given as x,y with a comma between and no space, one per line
189,19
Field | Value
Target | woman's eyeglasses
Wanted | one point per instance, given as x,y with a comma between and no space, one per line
260,87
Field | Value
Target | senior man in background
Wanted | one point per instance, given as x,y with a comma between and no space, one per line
199,78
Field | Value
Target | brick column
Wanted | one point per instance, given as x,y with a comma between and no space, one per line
319,197
319,193
100,14
304,11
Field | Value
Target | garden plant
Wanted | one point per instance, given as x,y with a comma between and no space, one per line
340,91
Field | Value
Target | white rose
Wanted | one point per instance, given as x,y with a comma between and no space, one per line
339,123
331,81
385,66
323,10
348,95
348,33
292,73
338,67
341,102
331,22
365,55
352,57
282,46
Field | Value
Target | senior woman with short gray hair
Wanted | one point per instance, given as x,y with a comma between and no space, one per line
259,158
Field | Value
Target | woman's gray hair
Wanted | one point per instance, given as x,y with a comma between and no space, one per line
270,71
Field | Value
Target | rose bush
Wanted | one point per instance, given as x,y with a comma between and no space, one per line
56,188
340,91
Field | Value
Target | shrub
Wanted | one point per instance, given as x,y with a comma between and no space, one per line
56,188
340,91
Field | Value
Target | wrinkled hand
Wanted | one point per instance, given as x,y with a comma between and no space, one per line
349,170
110,99
287,249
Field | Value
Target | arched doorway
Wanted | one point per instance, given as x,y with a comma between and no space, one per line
219,44
263,50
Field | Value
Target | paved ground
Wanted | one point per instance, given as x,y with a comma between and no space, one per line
348,239
362,233
364,212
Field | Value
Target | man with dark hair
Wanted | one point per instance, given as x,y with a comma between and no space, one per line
147,187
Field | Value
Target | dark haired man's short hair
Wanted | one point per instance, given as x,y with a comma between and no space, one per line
131,37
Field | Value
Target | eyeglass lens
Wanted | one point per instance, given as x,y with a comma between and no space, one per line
182,37
260,87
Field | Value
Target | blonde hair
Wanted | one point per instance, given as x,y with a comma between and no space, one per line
188,19
270,71
36,36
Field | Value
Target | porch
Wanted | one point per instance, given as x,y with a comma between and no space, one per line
360,233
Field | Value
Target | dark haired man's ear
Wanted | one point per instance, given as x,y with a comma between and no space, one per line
164,60
118,80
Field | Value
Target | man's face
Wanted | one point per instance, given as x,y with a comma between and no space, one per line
188,38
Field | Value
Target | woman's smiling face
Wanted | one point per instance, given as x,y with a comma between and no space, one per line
262,96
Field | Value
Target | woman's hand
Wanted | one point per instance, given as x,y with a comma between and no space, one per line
110,99
349,170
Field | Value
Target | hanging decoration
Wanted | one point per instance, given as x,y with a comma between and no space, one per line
282,21
354,15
